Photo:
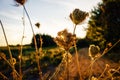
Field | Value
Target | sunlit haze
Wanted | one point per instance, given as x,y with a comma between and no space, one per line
53,16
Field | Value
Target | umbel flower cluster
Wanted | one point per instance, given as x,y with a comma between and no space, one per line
78,16
65,39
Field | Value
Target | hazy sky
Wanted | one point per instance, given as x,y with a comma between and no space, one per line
53,16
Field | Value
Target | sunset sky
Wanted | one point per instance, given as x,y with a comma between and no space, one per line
53,16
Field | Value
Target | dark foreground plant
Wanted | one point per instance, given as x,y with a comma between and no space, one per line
22,2
94,53
65,40
77,17
12,61
21,47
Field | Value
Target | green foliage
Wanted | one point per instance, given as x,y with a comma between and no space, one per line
104,23
51,58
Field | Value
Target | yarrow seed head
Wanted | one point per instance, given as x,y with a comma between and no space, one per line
37,24
65,39
94,51
20,2
78,16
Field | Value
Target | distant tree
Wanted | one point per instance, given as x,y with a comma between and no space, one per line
104,23
46,39
81,43
37,36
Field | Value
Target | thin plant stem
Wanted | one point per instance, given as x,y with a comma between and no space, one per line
40,49
103,72
21,47
37,57
11,58
11,66
67,64
4,77
74,29
92,62
106,51
77,61
112,73
76,53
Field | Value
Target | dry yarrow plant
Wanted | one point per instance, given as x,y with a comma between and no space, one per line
94,52
20,2
78,16
37,24
65,39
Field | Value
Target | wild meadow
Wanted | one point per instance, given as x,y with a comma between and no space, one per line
68,58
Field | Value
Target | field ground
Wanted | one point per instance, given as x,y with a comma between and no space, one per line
51,63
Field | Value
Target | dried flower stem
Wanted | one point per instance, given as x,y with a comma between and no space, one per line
11,58
67,64
4,77
112,73
76,52
105,51
21,47
77,61
37,57
92,62
74,29
11,66
103,72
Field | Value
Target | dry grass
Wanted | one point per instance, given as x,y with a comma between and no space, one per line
100,68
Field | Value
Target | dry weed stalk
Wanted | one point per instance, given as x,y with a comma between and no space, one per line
111,74
22,2
66,41
94,53
37,57
21,47
4,77
77,17
106,67
11,63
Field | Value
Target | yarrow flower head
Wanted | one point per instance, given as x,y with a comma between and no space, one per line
65,39
94,51
78,16
20,2
37,24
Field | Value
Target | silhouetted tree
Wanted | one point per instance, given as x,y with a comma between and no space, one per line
37,36
104,23
81,43
46,39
